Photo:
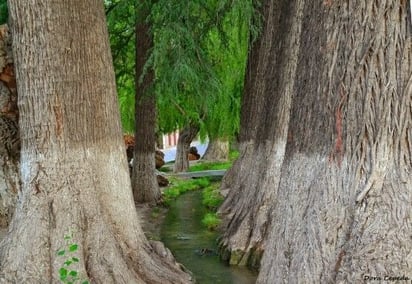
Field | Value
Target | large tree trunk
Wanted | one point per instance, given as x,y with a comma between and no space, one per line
344,203
264,124
144,180
9,132
74,172
217,150
186,136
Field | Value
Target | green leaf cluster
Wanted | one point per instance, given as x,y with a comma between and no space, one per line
121,20
4,12
66,273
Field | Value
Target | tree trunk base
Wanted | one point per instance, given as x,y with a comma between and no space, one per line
102,221
217,150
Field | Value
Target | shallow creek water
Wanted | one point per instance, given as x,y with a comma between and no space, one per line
183,233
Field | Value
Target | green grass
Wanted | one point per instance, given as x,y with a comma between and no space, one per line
180,186
211,197
166,169
205,166
211,221
233,155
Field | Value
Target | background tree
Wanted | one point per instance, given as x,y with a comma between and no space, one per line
144,181
9,131
185,78
74,173
249,184
200,69
196,46
343,207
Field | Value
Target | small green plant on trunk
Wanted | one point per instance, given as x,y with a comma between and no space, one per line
67,274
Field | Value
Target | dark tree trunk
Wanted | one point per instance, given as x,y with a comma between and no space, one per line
186,137
217,150
250,183
144,180
344,203
9,132
74,172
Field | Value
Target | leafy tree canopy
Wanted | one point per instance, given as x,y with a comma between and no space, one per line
198,57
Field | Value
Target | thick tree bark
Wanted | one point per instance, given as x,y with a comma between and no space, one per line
73,165
144,180
344,204
9,132
217,150
249,184
186,136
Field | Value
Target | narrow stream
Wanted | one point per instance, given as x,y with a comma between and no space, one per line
183,233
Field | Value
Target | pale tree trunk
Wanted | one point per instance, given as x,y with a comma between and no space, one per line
217,150
344,203
249,184
144,180
74,171
186,136
9,132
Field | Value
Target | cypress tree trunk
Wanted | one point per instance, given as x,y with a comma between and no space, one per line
217,150
344,204
144,180
250,184
9,132
186,136
74,172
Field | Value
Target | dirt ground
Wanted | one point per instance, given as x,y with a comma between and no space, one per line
151,220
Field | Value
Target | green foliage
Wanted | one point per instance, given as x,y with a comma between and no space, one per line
4,12
68,275
228,54
211,197
180,186
211,221
121,20
233,155
198,57
185,78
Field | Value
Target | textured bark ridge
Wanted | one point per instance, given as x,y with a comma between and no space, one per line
9,132
343,210
250,184
186,136
75,177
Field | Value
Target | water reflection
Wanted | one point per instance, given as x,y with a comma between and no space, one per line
194,246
